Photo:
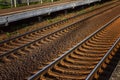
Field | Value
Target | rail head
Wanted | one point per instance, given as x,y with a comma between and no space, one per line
35,76
91,75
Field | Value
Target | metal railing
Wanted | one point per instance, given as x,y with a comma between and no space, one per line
16,3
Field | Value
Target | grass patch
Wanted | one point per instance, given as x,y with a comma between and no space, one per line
4,5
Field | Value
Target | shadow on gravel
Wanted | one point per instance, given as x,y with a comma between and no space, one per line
110,68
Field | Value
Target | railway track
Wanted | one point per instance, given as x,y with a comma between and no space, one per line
88,58
34,38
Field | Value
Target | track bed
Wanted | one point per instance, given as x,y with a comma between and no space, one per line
28,59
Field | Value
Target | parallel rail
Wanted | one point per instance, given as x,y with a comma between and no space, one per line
46,27
45,72
96,71
58,22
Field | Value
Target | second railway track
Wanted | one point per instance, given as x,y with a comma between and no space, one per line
78,62
31,38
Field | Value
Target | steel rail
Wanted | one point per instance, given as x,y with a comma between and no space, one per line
35,76
13,50
90,76
55,23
